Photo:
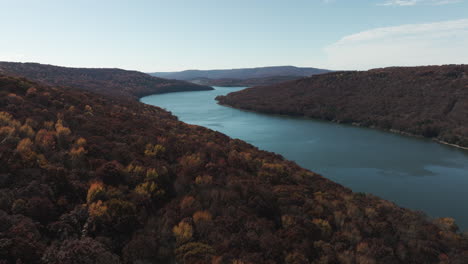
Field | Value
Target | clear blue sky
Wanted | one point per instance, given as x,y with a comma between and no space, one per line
207,34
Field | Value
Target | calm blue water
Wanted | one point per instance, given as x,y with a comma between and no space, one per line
414,173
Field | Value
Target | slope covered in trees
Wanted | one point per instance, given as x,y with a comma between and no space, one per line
89,179
105,81
429,101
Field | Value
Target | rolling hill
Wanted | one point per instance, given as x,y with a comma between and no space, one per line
429,101
105,81
87,178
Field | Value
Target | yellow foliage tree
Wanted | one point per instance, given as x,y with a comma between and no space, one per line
202,216
26,131
49,125
88,110
151,175
191,162
138,170
98,209
71,109
6,132
24,147
77,155
96,191
80,142
61,130
149,189
183,232
5,118
153,151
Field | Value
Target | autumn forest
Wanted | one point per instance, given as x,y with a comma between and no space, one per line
91,177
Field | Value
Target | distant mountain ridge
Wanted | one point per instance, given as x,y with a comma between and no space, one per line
244,73
116,82
227,82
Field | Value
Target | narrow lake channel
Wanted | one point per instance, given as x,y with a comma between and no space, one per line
414,173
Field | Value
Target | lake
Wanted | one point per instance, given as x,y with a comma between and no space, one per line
412,172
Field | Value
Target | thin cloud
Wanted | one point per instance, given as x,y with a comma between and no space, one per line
406,45
418,2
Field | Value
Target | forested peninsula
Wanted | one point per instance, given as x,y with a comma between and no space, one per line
429,101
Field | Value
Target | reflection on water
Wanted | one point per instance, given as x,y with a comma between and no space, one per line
414,173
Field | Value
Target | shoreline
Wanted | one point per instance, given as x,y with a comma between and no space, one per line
450,144
355,124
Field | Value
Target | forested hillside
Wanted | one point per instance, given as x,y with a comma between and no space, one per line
116,82
91,179
428,101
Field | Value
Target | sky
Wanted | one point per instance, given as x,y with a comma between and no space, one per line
174,35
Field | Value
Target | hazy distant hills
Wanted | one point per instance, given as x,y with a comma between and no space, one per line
116,82
242,77
246,73
430,101
244,82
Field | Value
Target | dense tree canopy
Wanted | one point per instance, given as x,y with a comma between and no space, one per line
89,179
117,82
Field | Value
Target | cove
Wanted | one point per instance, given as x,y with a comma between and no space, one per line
414,173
